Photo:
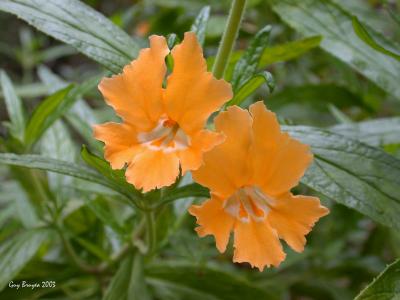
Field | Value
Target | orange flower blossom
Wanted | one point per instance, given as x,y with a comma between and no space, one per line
163,128
250,176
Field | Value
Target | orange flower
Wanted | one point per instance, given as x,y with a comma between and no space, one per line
250,176
163,128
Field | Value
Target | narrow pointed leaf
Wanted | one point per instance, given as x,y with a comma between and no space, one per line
385,287
76,24
16,252
14,106
34,161
53,107
200,24
251,85
363,34
247,65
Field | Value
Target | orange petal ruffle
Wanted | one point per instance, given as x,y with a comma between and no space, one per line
213,220
152,169
192,93
136,94
294,216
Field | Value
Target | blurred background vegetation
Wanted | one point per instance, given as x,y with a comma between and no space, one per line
345,251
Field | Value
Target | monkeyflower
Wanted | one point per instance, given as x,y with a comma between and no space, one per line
163,127
250,176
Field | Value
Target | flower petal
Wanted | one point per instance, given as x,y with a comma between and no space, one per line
213,220
136,94
258,244
225,167
152,169
203,141
120,142
278,160
294,216
192,93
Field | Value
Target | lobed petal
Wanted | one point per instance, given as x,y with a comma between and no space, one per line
192,93
136,94
258,244
225,167
120,143
294,216
153,169
278,160
213,220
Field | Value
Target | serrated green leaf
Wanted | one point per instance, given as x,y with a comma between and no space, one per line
200,24
385,287
246,67
53,107
377,132
325,18
363,34
18,251
251,85
213,283
352,173
14,107
78,25
48,164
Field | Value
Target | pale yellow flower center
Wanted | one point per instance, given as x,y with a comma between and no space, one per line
166,136
249,202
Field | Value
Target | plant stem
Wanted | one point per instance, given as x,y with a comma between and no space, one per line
151,231
76,259
229,37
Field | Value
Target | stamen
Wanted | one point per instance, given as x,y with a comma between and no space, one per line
249,202
166,136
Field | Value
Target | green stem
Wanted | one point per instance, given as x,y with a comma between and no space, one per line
75,258
151,232
228,38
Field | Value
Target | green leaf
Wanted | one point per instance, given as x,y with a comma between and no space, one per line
246,67
363,34
325,18
117,177
128,283
200,24
385,287
212,283
17,252
34,161
38,122
274,54
251,85
78,25
377,132
288,51
14,107
189,190
103,214
53,107
339,115
352,173
80,116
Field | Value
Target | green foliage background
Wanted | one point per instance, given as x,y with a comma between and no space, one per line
330,69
